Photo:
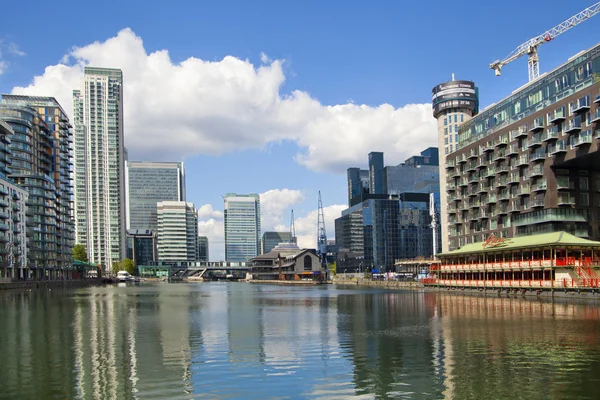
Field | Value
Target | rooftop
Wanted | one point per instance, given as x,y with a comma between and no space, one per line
534,241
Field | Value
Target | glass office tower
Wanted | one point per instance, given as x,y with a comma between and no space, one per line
242,226
148,183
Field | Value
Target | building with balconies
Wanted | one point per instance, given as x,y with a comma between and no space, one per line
530,163
13,198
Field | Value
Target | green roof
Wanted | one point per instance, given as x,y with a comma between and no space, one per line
541,240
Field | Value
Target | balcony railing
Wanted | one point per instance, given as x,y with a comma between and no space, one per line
573,127
562,182
558,147
558,115
595,117
565,199
512,150
583,138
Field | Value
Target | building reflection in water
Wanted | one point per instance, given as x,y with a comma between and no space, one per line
180,341
497,347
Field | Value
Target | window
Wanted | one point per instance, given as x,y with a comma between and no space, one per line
450,147
446,140
445,121
450,138
446,150
584,183
445,131
584,198
455,118
308,263
462,117
455,128
456,139
450,129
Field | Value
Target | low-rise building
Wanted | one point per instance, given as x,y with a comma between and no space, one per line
287,263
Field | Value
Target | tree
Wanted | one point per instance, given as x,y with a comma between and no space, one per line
116,266
128,265
80,253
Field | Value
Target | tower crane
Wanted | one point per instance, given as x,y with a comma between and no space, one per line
530,46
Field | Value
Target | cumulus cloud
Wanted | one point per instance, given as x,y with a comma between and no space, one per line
176,110
275,207
306,226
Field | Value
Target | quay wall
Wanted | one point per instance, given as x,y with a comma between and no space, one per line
58,284
390,284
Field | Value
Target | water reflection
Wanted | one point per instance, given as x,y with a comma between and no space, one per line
215,340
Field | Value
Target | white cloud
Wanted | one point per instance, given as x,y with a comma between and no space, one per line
12,49
306,226
3,66
275,207
175,110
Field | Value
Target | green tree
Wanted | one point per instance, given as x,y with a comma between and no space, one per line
116,266
80,253
128,265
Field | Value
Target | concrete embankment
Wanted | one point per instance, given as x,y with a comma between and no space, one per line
380,284
67,284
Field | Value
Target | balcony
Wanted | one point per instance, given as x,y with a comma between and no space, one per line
452,209
535,141
3,226
491,171
557,148
537,125
482,163
513,149
471,166
501,182
491,199
539,186
514,207
524,190
563,183
499,155
472,154
502,210
565,199
573,127
595,117
450,164
501,141
3,190
583,138
583,105
536,171
502,169
558,116
537,203
483,188
473,192
514,178
484,214
597,99
461,159
504,195
550,135
474,178
450,187
488,146
3,203
474,204
463,181
540,154
523,160
4,215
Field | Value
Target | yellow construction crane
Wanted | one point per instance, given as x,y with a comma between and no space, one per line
530,46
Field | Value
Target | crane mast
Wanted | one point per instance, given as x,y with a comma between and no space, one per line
530,46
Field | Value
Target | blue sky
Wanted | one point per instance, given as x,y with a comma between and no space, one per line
339,55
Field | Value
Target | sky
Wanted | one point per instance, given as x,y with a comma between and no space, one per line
278,98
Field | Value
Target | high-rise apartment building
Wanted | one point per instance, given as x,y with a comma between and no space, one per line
242,226
13,199
358,184
202,249
100,165
530,162
40,163
148,183
141,247
454,103
177,236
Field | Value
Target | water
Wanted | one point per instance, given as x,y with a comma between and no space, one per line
238,340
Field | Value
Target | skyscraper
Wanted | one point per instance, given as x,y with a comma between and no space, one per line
99,165
148,183
376,172
242,226
202,248
40,163
177,238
